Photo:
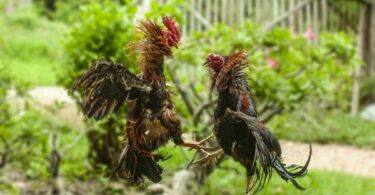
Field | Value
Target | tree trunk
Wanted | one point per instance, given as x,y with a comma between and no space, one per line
362,37
371,57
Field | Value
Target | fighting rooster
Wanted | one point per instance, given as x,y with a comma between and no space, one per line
151,118
238,130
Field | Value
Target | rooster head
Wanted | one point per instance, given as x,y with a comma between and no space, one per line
215,61
172,34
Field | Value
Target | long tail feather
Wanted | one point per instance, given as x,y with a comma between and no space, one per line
288,173
132,166
268,156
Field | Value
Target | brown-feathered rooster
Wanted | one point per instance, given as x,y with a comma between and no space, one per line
238,130
151,118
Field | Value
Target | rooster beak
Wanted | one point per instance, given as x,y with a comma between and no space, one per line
205,64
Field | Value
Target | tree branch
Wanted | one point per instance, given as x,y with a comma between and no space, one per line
203,107
275,112
195,93
181,90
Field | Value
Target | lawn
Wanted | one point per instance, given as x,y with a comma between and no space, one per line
330,126
30,47
317,182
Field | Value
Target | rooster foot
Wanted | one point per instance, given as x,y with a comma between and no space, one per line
198,145
209,158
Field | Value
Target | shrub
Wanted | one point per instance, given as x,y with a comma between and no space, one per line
100,30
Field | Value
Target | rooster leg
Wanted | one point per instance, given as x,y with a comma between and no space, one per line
194,145
205,139
197,145
210,157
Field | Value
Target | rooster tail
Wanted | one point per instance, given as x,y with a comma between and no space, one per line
291,172
133,165
249,176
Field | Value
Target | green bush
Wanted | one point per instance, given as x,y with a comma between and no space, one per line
25,136
367,90
4,86
99,30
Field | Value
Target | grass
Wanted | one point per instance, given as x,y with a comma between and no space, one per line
30,47
325,127
317,182
230,179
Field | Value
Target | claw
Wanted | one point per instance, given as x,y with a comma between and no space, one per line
198,145
210,157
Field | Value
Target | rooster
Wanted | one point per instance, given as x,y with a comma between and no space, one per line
238,129
151,118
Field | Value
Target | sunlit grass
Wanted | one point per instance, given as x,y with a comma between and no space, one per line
325,127
317,182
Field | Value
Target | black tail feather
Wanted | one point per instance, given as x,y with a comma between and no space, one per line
132,166
267,156
287,172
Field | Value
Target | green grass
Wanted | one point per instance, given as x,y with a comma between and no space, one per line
231,179
30,47
325,127
317,182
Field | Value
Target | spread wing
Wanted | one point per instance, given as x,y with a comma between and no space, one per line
106,85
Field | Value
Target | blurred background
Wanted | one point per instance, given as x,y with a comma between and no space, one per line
312,72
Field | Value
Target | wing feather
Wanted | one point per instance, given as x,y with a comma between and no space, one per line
106,85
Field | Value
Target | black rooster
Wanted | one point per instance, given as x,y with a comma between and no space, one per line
151,118
238,130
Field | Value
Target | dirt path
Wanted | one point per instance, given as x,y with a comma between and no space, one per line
327,157
332,157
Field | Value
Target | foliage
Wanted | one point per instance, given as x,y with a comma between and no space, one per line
25,136
367,90
171,8
98,30
4,85
30,135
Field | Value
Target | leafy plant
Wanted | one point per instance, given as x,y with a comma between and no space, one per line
100,30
